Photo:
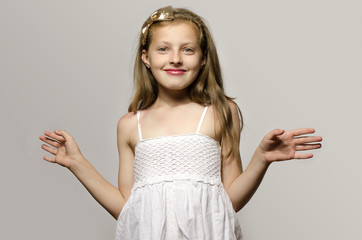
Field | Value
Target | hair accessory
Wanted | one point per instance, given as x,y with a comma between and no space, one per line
162,14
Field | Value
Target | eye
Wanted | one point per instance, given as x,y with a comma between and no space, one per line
162,49
188,50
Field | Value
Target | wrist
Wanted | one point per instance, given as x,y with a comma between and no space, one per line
77,163
260,158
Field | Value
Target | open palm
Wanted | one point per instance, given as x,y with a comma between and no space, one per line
62,146
280,145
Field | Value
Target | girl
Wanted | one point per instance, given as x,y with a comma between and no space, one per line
180,173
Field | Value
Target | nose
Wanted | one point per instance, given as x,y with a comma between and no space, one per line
176,58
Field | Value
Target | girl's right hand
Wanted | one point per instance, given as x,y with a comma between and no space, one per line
63,146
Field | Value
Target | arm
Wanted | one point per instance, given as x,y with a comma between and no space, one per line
277,145
66,153
126,140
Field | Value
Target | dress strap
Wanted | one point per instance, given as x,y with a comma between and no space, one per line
139,126
201,120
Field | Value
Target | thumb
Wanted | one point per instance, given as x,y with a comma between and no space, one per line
275,133
64,134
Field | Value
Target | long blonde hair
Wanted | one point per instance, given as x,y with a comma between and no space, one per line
207,89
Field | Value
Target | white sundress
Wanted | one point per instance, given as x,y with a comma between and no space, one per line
177,191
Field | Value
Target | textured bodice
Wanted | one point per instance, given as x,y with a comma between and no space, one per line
177,192
194,157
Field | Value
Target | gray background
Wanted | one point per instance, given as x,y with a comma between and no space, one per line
68,65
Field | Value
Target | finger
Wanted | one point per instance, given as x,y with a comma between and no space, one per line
302,131
303,155
49,159
274,134
62,133
309,139
305,147
49,149
54,136
50,141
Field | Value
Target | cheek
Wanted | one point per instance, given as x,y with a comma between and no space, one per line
157,61
195,63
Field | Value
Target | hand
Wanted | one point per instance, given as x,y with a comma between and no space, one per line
280,145
62,146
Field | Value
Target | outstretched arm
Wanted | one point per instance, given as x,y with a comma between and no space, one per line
277,145
67,154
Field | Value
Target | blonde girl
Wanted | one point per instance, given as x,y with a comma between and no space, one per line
180,172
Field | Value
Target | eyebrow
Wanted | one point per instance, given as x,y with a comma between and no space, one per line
168,43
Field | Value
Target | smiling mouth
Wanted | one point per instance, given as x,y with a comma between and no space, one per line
175,71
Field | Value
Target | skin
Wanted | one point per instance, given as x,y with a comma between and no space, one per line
175,46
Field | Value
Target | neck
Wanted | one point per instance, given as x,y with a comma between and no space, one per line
172,98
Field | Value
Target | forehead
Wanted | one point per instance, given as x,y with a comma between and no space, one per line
175,31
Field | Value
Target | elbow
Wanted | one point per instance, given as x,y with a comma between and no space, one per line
117,210
118,205
237,202
116,215
237,206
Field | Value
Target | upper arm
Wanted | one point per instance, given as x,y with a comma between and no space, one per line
125,132
231,166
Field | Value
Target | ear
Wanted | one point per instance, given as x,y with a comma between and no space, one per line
145,58
203,61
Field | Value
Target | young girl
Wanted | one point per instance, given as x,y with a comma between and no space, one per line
180,173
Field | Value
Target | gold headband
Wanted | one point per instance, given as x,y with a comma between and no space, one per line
162,14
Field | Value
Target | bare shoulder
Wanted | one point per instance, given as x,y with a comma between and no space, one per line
126,128
236,114
234,108
126,119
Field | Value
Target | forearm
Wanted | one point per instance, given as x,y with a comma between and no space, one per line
102,191
277,145
243,187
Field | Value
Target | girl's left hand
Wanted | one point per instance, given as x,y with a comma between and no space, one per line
280,145
64,148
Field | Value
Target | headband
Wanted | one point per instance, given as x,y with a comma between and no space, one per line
162,14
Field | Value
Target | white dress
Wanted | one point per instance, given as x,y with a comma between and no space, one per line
177,192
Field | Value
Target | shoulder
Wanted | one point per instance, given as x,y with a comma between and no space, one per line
234,108
236,114
126,120
127,128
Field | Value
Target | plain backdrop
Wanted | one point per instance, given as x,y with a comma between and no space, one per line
290,64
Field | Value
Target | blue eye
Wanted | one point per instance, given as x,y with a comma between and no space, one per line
188,50
162,49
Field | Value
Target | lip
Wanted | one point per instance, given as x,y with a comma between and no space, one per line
175,71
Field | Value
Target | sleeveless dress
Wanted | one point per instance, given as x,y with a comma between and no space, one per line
177,191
